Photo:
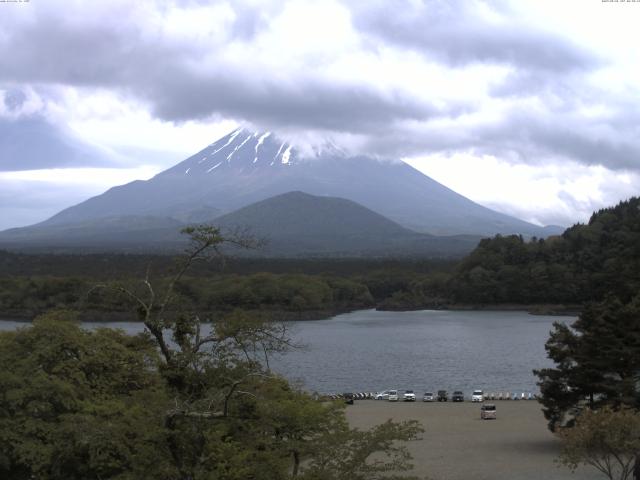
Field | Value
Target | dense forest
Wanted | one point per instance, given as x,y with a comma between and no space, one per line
583,264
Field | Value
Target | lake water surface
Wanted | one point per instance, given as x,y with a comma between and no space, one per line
425,350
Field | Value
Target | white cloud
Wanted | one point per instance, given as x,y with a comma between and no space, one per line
89,178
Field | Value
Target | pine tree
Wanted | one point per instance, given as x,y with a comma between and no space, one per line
597,362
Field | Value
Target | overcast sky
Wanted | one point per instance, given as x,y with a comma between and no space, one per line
531,108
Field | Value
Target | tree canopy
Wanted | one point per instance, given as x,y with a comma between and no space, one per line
175,403
79,405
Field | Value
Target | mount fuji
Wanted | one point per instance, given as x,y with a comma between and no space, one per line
246,167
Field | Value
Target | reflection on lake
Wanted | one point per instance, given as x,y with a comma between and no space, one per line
424,350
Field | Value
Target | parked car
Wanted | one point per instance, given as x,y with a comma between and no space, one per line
488,411
393,396
348,398
382,395
457,396
409,396
428,397
477,396
442,396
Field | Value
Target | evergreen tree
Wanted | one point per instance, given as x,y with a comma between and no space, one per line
597,362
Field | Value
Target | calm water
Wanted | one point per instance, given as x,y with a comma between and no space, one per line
426,350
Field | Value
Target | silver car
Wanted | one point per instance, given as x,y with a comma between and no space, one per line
382,395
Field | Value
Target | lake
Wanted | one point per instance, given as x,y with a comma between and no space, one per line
425,350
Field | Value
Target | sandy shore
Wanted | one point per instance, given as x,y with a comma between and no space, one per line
457,445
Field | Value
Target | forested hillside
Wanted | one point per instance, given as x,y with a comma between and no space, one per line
585,263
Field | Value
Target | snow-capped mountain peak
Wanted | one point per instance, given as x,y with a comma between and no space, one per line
242,150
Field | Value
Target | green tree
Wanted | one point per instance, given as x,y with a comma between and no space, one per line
597,361
606,439
80,405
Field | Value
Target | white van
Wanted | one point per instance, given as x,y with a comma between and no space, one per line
393,396
477,396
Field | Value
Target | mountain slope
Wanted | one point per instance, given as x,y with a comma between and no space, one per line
245,167
297,223
293,224
103,234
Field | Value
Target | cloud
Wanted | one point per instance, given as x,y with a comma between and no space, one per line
524,134
14,99
463,32
305,103
32,142
275,65
27,202
549,193
183,76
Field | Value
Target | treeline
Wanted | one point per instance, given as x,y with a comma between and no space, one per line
105,266
295,293
288,288
585,263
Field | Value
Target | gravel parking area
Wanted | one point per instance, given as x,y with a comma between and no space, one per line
458,445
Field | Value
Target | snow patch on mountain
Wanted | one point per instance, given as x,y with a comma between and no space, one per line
214,167
231,139
286,155
238,147
260,142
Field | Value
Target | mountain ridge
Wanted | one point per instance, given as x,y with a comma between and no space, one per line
244,167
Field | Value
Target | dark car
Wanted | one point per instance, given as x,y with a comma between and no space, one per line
348,398
457,396
442,396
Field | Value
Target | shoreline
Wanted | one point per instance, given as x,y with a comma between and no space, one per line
532,309
312,315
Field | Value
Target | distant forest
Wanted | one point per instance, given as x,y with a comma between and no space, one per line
585,263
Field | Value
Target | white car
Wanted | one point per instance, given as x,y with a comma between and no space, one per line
393,396
428,397
409,396
477,396
382,395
